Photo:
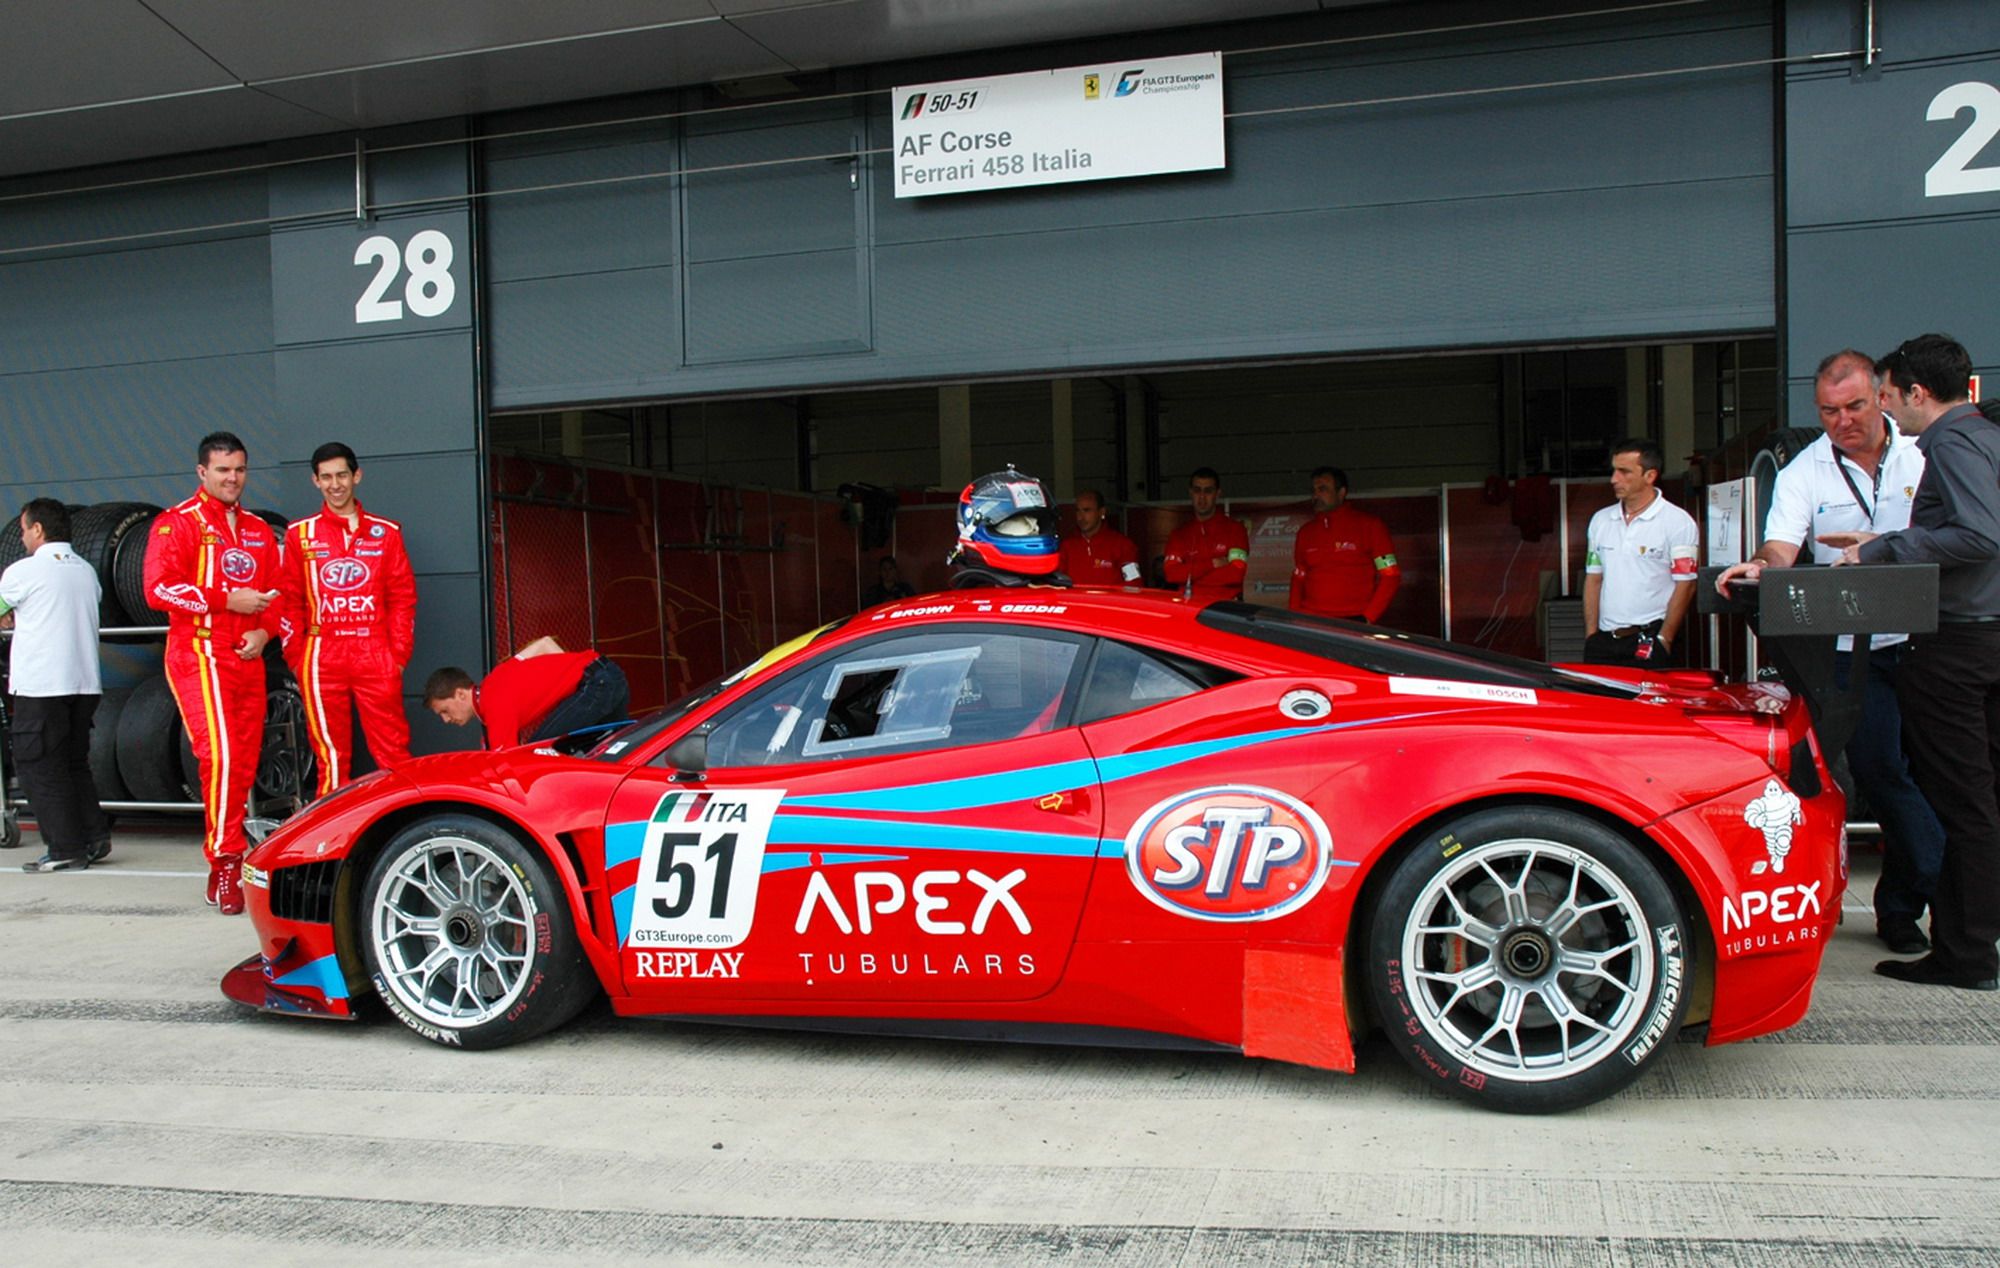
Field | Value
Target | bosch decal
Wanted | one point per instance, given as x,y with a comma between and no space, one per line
238,564
1229,853
343,574
698,869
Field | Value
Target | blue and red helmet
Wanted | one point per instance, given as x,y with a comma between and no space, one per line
1005,523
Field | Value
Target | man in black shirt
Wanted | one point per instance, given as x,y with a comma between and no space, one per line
1949,687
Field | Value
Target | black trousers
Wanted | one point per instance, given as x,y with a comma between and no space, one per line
52,757
600,697
1949,689
1606,648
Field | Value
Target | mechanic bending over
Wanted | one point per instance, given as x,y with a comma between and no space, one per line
1862,476
538,693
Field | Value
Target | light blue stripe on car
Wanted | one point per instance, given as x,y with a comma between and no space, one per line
323,975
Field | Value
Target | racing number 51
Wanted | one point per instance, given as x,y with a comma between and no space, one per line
682,879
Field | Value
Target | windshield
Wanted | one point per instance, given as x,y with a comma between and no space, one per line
614,745
1399,655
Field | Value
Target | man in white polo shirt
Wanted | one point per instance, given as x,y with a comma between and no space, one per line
51,598
1638,577
1861,477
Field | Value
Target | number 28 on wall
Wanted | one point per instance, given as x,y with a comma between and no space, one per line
430,287
1953,173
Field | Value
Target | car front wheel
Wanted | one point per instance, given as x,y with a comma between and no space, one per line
1529,959
468,939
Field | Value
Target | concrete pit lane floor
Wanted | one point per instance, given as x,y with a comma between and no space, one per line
149,1120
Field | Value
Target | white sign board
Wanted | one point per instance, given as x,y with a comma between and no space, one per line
1726,525
1082,123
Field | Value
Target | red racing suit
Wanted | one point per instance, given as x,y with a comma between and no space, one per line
1344,565
193,560
350,615
1193,549
1105,558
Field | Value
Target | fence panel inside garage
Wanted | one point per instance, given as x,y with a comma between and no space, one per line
675,580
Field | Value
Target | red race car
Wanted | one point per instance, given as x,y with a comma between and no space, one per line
1110,817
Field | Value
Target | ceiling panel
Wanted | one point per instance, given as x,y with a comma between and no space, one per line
176,125
865,31
486,82
257,40
130,78
59,53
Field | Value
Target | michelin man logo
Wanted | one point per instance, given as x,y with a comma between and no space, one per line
1774,814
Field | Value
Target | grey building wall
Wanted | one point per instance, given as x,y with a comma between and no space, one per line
1632,209
1872,258
116,357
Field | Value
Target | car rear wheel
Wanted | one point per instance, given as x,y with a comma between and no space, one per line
468,939
1530,959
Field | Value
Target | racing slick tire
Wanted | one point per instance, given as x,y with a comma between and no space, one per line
1529,959
96,533
468,938
104,746
148,743
128,576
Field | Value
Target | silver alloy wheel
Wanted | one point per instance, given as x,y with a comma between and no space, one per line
453,932
1529,960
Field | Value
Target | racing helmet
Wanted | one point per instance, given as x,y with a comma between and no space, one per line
1005,523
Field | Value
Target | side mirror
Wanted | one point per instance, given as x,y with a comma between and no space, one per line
689,756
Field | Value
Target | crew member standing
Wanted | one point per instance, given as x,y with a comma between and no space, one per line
1949,687
1639,572
1098,554
350,615
1861,476
1343,563
213,569
1207,556
51,598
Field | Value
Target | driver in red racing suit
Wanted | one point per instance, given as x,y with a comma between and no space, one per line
350,612
213,569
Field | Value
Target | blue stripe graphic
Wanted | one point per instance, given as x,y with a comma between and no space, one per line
823,831
323,975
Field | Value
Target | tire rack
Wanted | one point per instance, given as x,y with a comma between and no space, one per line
10,817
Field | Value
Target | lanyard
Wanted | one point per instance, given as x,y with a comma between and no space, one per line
1840,466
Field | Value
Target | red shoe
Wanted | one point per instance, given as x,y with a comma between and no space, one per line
215,869
229,886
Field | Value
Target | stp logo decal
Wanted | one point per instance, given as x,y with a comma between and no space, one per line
343,574
1233,852
238,564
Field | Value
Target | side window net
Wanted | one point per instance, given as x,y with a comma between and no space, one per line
891,700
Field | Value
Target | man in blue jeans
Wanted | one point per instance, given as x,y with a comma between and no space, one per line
1862,477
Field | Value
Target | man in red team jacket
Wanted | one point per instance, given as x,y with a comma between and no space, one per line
538,693
213,569
1343,563
1208,555
1098,554
350,615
